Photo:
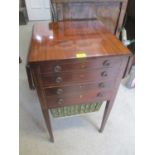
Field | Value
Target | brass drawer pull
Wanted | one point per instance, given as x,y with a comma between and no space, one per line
101,85
59,91
59,80
100,94
60,101
57,68
104,74
106,63
81,96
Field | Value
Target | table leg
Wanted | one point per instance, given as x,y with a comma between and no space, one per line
48,123
107,111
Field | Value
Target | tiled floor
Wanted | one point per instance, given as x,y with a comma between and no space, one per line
73,135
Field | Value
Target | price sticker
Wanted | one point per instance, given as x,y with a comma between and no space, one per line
81,55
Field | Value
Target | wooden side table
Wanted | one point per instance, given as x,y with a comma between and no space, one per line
75,66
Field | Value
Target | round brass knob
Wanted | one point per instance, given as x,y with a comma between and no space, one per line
106,63
81,96
104,73
59,91
59,80
57,68
60,101
101,85
100,94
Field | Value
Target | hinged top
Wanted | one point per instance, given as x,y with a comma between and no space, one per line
67,39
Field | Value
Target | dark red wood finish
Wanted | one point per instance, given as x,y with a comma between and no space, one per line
67,78
79,88
90,37
82,64
110,12
61,78
83,98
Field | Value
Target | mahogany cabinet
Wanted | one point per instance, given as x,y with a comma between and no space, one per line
75,66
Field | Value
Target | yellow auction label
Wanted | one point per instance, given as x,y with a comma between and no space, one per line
81,55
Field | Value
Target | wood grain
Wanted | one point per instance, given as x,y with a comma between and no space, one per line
84,98
61,78
110,12
79,88
78,77
79,64
63,40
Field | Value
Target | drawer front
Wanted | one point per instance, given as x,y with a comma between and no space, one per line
84,98
78,77
80,88
81,64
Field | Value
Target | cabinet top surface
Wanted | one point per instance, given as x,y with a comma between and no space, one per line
73,39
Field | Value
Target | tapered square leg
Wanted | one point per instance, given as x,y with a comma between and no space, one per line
48,123
107,111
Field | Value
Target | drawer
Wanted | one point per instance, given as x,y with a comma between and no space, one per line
66,78
78,88
79,64
83,98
